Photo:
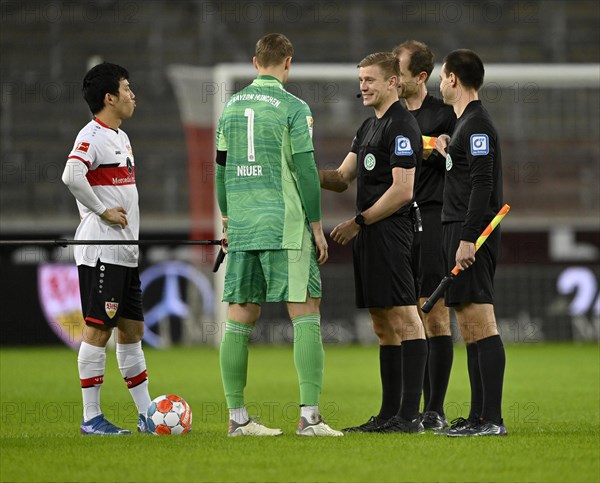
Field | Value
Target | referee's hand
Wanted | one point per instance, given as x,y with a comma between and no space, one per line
465,255
115,216
441,144
345,232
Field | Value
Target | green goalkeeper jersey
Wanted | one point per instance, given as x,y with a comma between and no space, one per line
262,127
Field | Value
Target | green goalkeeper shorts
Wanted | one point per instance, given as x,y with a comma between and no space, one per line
259,276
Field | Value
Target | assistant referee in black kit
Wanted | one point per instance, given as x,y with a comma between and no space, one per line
434,118
472,196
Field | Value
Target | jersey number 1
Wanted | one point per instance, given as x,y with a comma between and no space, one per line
249,113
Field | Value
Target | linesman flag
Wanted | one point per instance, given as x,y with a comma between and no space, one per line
429,143
447,280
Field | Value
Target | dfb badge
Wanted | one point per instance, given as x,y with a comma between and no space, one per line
369,162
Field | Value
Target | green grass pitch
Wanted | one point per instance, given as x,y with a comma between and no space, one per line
551,409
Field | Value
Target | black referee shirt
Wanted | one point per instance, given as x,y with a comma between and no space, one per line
434,118
392,141
473,188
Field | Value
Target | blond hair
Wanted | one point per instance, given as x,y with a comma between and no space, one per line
273,49
385,60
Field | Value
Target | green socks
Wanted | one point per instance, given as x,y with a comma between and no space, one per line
308,357
233,357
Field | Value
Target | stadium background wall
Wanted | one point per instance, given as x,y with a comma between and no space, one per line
548,277
538,296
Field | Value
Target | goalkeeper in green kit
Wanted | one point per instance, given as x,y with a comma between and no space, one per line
269,195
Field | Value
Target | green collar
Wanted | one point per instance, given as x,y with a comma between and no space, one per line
268,79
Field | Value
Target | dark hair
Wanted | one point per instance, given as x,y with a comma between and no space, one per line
101,80
421,56
273,49
386,60
467,66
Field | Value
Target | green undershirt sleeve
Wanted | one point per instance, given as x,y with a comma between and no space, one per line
308,184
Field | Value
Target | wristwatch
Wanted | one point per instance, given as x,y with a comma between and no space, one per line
360,220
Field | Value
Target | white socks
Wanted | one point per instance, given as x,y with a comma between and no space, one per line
132,364
310,413
91,361
239,415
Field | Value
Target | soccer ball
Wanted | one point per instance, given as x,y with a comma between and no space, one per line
169,414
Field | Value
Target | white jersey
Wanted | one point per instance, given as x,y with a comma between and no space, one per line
108,156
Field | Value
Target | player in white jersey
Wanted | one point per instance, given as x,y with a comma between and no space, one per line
100,172
108,160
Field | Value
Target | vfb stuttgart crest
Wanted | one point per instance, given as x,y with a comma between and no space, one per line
111,308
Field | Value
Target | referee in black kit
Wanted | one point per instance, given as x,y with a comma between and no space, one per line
472,196
434,118
384,157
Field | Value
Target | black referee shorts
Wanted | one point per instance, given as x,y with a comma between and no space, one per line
108,292
428,251
383,274
476,283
